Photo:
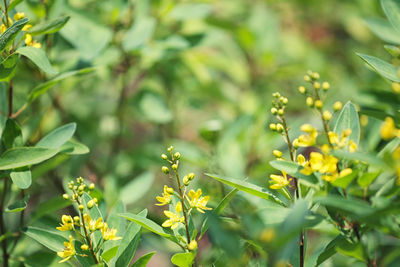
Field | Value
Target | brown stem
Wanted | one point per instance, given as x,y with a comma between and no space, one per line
2,223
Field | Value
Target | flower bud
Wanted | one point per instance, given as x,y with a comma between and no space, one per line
347,132
284,100
302,90
277,153
177,155
325,86
164,157
185,180
165,169
272,126
79,180
95,200
281,111
396,87
296,143
327,116
191,176
337,106
279,128
317,85
319,104
92,186
307,78
174,167
309,101
65,196
170,190
76,219
81,187
276,94
274,111
170,149
315,75
81,207
90,204
192,245
84,247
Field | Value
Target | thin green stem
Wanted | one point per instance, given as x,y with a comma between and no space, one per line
2,223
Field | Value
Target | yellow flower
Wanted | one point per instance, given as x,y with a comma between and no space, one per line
333,177
67,223
166,196
3,28
388,129
174,218
26,27
19,15
280,181
109,233
92,225
320,163
68,251
197,201
308,139
28,39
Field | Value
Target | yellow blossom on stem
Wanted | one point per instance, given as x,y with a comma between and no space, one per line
308,139
333,177
109,233
67,223
321,163
279,181
174,218
166,196
68,252
92,225
197,201
389,130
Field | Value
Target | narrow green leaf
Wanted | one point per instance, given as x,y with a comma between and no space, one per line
25,156
58,137
94,213
137,188
49,27
143,260
9,35
329,250
385,69
7,67
371,159
392,11
293,169
37,56
353,207
49,239
21,178
384,30
146,223
44,87
12,135
248,188
73,147
110,253
348,119
19,205
183,259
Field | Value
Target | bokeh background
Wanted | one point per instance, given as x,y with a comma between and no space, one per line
197,75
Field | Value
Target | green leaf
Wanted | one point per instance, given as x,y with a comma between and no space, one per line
37,56
58,137
293,169
44,87
248,188
183,259
25,156
329,250
14,3
50,206
146,223
392,11
12,135
348,119
385,69
187,11
19,205
139,34
51,240
129,243
49,27
137,188
367,178
9,35
72,147
354,207
344,182
143,260
354,250
7,67
94,213
383,29
109,254
371,159
21,178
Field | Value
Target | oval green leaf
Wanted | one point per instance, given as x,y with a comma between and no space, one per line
38,57
146,223
142,261
19,205
51,240
21,178
49,27
25,156
183,259
348,119
383,68
58,137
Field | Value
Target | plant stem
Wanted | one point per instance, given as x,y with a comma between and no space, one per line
2,223
10,98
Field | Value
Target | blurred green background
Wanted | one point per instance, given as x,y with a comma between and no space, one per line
197,75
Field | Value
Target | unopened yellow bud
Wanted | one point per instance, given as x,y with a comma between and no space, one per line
274,111
296,143
28,39
92,186
327,116
170,149
319,104
81,187
170,190
276,94
364,120
272,126
81,207
174,167
302,90
3,28
309,101
19,15
84,247
279,128
185,180
307,78
177,155
347,132
95,200
281,111
26,27
192,245
396,87
164,157
90,204
325,86
165,169
65,196
277,153
337,106
284,100
315,76
191,176
76,219
317,85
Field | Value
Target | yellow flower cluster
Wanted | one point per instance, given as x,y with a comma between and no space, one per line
68,252
279,181
197,201
389,130
308,139
343,141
